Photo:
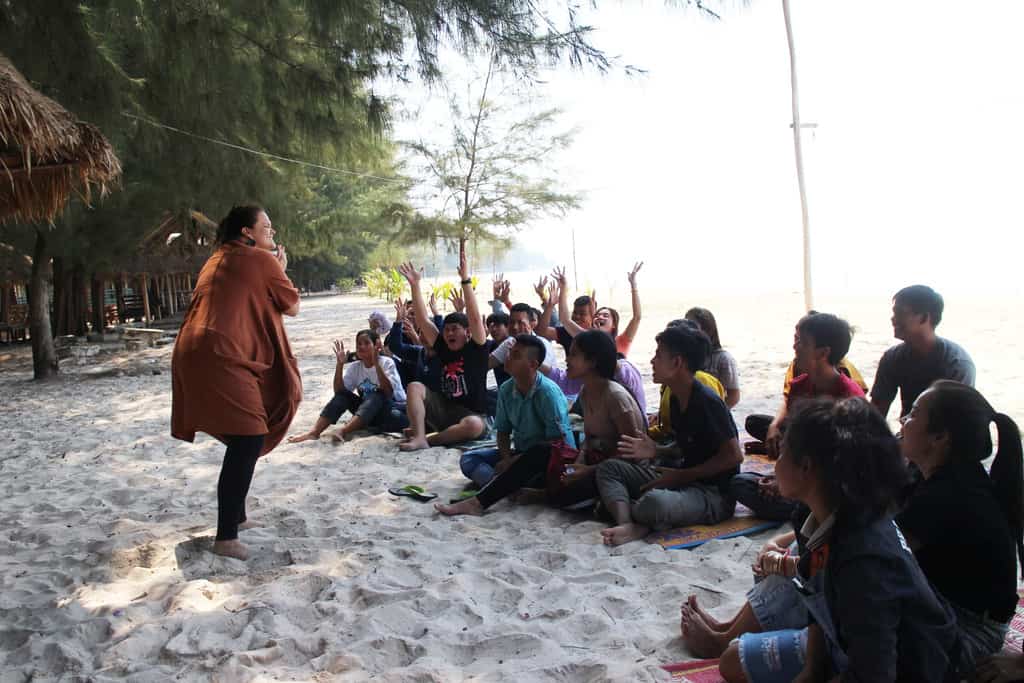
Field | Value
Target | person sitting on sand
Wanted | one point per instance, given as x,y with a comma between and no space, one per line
519,324
874,616
605,319
531,415
959,522
582,314
455,412
659,425
757,424
721,363
922,357
659,487
369,388
820,341
609,412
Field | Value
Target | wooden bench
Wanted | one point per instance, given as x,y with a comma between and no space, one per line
134,337
16,325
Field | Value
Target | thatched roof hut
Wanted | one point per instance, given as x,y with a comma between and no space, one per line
181,243
46,154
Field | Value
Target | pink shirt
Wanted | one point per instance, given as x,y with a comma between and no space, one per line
801,388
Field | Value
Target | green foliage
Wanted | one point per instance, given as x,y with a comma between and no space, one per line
385,283
345,284
494,177
289,77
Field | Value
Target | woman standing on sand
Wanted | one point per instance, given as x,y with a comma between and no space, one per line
234,375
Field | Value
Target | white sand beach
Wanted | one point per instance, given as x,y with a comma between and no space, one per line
106,522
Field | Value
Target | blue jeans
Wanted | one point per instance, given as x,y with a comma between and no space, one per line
745,488
479,464
374,409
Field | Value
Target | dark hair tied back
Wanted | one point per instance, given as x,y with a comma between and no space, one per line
230,227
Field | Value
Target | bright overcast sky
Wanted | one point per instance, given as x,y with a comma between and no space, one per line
915,172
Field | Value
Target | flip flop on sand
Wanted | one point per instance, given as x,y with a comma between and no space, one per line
414,492
463,495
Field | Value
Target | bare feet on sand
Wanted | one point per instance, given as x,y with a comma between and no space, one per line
470,506
700,639
233,549
414,444
624,533
715,624
299,438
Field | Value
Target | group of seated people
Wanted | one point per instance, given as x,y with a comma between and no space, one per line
903,560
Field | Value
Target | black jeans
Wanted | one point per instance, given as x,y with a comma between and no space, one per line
531,465
746,489
233,484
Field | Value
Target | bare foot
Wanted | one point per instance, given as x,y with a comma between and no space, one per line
715,624
700,640
248,524
408,433
299,438
1001,668
414,444
624,533
340,436
470,506
233,549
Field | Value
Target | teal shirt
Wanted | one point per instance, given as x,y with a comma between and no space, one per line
542,415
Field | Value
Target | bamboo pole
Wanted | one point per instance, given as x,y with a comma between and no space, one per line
170,294
798,150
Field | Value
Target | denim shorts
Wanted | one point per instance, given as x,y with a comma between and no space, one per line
777,604
773,656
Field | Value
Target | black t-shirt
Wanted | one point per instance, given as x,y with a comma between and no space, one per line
464,373
964,543
701,431
563,337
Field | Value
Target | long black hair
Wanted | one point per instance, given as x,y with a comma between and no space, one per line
599,348
705,319
963,413
230,227
856,454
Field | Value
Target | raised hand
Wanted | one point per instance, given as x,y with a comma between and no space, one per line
399,310
339,351
457,302
541,288
433,303
553,292
497,286
409,272
409,330
631,275
558,275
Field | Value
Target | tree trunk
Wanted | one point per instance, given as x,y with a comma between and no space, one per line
44,354
99,298
120,285
80,298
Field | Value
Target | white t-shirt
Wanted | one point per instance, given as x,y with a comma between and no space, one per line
363,380
500,354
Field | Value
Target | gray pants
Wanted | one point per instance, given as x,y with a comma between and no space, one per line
620,481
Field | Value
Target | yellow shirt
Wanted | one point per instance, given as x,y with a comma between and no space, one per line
664,426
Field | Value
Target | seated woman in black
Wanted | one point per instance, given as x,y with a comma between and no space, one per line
965,526
874,616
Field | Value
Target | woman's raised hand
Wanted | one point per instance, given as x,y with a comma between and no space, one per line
558,275
282,256
339,350
631,275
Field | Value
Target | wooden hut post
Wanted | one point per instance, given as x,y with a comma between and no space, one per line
172,294
146,314
120,285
